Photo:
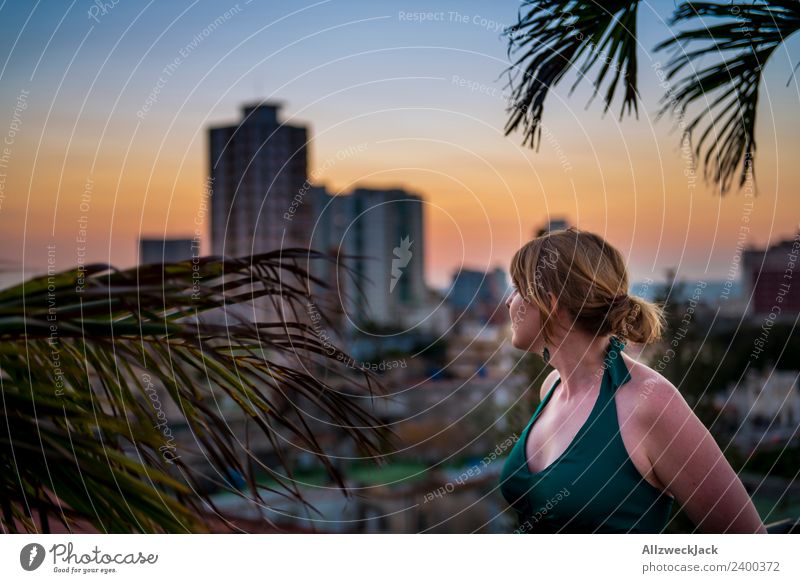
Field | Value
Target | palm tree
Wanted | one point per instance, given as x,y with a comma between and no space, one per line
553,36
80,353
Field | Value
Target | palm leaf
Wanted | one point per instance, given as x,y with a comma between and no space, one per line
727,89
553,36
79,440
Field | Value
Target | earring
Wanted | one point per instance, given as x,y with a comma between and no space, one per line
546,355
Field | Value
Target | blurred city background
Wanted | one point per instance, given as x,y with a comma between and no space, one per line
157,135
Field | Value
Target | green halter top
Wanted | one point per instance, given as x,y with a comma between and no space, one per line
593,486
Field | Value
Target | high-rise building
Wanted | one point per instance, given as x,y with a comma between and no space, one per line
378,235
258,174
262,200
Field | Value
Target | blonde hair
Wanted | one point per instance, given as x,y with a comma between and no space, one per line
585,274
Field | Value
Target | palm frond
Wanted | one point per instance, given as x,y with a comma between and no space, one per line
727,90
81,349
554,36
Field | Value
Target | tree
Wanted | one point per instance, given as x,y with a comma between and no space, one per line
80,437
555,36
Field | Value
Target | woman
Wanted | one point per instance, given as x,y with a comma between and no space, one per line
613,444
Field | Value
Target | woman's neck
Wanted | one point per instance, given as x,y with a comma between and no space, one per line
579,360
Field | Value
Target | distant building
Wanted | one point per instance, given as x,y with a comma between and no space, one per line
258,169
262,200
772,277
330,218
166,250
481,351
552,225
480,293
378,237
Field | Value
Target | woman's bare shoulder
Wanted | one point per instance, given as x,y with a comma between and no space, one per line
649,392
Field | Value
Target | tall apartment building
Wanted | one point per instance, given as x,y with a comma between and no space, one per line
261,200
378,235
258,168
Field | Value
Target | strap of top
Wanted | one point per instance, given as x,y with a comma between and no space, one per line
615,365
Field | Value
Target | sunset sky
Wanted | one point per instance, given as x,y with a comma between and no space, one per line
423,100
